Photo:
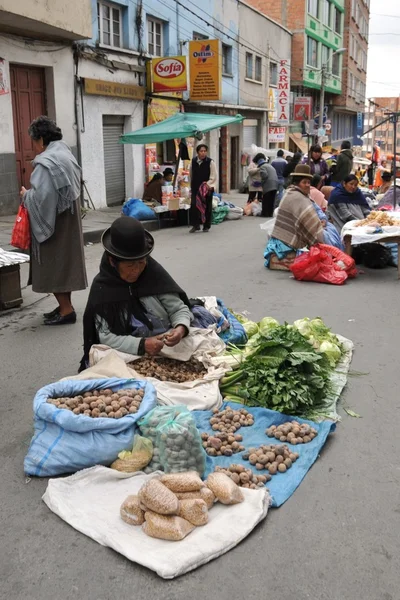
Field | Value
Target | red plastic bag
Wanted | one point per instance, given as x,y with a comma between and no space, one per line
317,265
342,260
21,233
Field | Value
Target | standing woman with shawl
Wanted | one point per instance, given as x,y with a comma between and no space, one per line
57,258
347,203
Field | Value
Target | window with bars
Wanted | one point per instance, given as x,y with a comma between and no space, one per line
258,69
226,60
312,52
273,73
249,65
109,21
154,37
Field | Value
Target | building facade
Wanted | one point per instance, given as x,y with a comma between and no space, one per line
36,77
321,28
348,108
246,37
382,132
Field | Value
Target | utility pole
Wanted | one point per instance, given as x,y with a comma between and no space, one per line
322,99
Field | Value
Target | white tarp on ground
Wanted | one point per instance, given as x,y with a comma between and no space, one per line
90,501
7,258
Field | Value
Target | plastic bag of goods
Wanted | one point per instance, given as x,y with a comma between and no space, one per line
176,440
180,445
136,459
66,440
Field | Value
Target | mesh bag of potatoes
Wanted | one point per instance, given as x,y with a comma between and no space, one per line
137,459
149,428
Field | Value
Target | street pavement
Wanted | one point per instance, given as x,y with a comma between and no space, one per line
336,538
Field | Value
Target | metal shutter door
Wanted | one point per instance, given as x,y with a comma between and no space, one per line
249,135
114,164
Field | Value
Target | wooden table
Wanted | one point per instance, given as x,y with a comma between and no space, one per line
389,239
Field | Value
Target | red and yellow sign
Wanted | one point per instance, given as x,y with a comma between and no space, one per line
205,62
168,74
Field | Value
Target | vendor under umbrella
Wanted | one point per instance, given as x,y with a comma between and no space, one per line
134,305
153,190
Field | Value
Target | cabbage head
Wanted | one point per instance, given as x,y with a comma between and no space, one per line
331,351
266,324
250,327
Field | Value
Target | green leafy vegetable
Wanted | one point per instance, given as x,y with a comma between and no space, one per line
251,328
267,324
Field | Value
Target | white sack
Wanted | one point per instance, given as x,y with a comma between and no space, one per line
90,502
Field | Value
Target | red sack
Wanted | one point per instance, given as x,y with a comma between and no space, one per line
317,265
21,233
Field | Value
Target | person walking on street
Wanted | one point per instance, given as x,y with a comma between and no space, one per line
269,180
279,164
203,181
57,264
344,164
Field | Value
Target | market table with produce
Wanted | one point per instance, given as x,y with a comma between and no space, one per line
379,227
148,471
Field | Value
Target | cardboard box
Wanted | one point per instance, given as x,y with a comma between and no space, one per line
281,265
173,204
10,287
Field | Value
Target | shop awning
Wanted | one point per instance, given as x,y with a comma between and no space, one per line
181,125
300,142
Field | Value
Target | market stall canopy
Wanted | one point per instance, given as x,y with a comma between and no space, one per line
181,125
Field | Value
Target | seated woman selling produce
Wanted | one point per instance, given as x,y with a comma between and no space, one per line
134,305
347,203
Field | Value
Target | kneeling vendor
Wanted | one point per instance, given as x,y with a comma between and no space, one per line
133,301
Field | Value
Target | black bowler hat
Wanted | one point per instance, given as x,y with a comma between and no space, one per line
127,239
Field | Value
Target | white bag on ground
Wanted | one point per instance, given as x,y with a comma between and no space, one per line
234,213
201,394
99,493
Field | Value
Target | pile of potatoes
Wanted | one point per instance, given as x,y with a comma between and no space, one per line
230,420
292,432
275,458
102,403
222,444
244,477
169,369
170,507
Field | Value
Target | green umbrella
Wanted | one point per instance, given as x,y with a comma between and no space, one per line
181,125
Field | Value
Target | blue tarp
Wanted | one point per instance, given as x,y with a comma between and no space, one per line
282,485
236,333
64,442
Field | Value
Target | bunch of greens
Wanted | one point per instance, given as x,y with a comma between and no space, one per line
281,371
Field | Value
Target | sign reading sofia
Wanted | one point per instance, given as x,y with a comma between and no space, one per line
205,61
169,74
283,92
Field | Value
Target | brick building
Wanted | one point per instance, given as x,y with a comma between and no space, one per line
320,28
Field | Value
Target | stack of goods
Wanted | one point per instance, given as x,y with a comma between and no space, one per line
171,507
377,217
274,458
226,423
292,432
102,403
244,477
177,445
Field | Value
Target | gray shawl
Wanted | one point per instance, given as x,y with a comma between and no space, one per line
55,185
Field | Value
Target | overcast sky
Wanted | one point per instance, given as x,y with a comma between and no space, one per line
383,71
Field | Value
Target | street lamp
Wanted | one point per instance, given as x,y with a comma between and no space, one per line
322,93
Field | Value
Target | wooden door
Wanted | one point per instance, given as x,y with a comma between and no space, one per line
28,91
234,162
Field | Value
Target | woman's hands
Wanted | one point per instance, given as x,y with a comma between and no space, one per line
154,345
173,337
22,192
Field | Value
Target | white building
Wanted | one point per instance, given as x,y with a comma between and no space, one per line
36,77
